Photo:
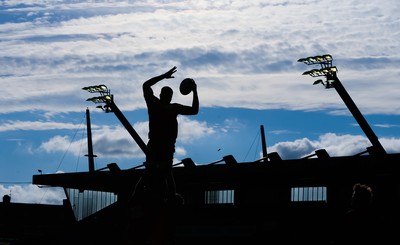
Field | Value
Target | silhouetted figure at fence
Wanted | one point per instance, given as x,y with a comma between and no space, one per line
156,189
361,224
6,199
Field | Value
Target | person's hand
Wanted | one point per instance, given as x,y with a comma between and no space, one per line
169,73
194,86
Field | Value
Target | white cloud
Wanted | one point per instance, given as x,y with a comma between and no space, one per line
391,145
335,145
33,194
115,142
387,125
179,152
111,142
190,130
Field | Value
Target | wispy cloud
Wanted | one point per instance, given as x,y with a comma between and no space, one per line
387,125
35,125
61,46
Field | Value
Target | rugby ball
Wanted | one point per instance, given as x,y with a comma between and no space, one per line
187,85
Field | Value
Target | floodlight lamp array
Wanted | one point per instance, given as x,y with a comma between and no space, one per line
325,60
321,72
100,99
104,98
326,70
97,89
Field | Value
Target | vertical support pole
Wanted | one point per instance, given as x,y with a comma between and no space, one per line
89,141
263,142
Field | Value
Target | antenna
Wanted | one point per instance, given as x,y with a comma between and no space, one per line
263,142
90,154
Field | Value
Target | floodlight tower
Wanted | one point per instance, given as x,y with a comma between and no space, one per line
106,98
332,81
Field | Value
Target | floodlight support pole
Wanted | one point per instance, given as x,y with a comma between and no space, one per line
127,125
377,147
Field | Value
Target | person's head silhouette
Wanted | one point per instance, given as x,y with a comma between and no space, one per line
166,95
362,196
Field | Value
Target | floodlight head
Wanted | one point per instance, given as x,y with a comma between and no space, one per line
323,60
333,69
314,73
301,60
102,87
321,72
327,57
104,98
308,61
326,70
96,89
100,99
105,108
310,72
318,82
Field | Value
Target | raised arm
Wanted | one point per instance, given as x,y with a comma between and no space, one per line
195,102
194,109
147,85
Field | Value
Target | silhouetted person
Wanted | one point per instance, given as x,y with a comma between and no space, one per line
6,199
156,189
163,125
361,224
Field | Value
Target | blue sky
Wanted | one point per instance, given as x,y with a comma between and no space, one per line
242,54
